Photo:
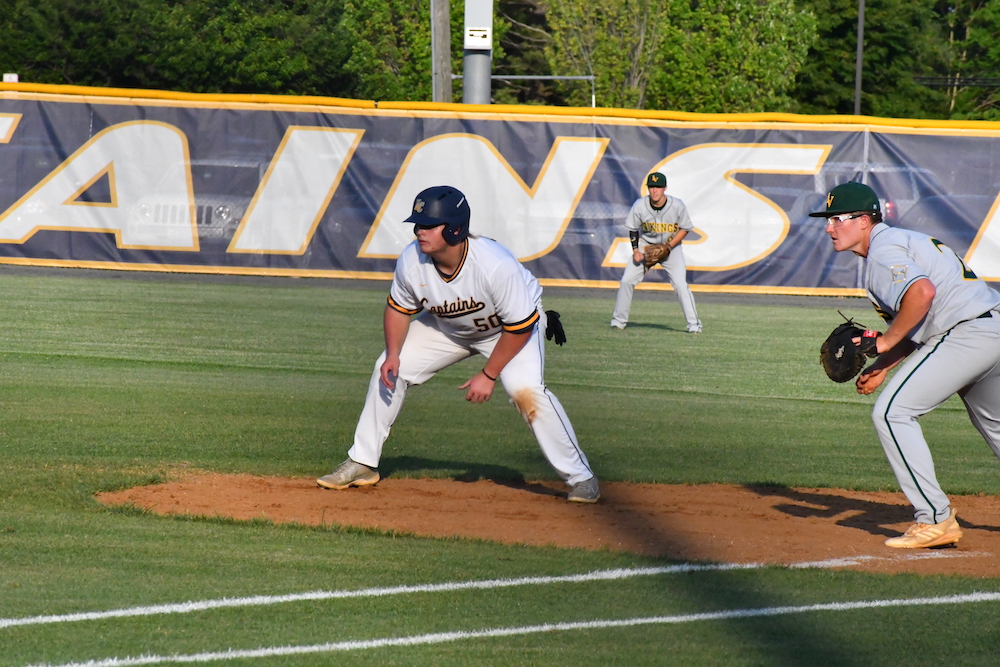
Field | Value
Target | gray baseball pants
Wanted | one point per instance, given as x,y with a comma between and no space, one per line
634,274
964,360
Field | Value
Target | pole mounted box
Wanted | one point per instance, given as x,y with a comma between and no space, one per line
479,25
478,39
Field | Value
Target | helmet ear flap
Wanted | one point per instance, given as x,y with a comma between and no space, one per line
455,234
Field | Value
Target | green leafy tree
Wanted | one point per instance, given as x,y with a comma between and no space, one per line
523,45
903,41
615,41
974,37
242,46
391,54
224,46
732,56
390,42
62,41
716,56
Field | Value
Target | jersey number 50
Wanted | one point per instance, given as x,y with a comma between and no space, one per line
487,323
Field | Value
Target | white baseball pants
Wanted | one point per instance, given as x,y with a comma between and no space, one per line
428,350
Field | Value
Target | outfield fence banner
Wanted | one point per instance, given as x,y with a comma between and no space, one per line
102,178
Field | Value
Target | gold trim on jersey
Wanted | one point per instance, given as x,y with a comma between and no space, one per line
405,311
448,278
524,325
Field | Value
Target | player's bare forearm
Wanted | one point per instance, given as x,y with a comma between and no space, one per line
395,325
678,237
912,310
480,386
873,376
506,349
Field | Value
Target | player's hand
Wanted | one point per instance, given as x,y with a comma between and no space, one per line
870,379
389,371
638,256
480,388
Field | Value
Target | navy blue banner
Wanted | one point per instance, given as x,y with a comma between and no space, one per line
320,190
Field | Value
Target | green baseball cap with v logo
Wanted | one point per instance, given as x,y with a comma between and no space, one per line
850,197
656,180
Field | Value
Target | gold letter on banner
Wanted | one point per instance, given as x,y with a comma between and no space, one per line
984,254
529,221
737,226
295,191
8,123
151,204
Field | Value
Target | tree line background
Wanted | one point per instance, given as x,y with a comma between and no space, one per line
683,55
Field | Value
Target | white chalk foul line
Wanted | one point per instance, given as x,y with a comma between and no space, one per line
263,600
442,637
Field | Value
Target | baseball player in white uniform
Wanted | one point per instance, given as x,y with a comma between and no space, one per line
944,333
658,218
470,295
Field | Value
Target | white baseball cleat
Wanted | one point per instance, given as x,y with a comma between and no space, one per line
349,473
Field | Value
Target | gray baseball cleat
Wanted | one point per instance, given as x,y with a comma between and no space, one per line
349,473
586,491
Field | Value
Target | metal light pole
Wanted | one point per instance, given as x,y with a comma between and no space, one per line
861,51
478,51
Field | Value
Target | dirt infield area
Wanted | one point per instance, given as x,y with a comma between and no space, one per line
720,523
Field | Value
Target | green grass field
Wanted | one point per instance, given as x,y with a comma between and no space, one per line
107,383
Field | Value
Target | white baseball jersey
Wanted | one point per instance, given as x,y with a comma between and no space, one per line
899,257
489,293
658,225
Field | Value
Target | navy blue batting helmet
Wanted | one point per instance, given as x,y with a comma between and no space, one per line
442,205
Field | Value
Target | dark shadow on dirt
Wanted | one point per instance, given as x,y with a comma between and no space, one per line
472,472
869,516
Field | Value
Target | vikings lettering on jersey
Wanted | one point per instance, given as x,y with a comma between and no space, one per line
658,225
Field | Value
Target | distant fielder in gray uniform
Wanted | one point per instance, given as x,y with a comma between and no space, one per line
658,218
944,333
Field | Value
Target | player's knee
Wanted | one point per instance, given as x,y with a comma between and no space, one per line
886,414
527,400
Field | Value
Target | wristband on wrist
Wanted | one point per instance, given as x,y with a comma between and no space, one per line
869,343
488,376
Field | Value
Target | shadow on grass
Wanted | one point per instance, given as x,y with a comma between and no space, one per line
788,641
470,472
650,325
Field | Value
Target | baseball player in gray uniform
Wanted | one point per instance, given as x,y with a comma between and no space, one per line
470,295
944,334
658,218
